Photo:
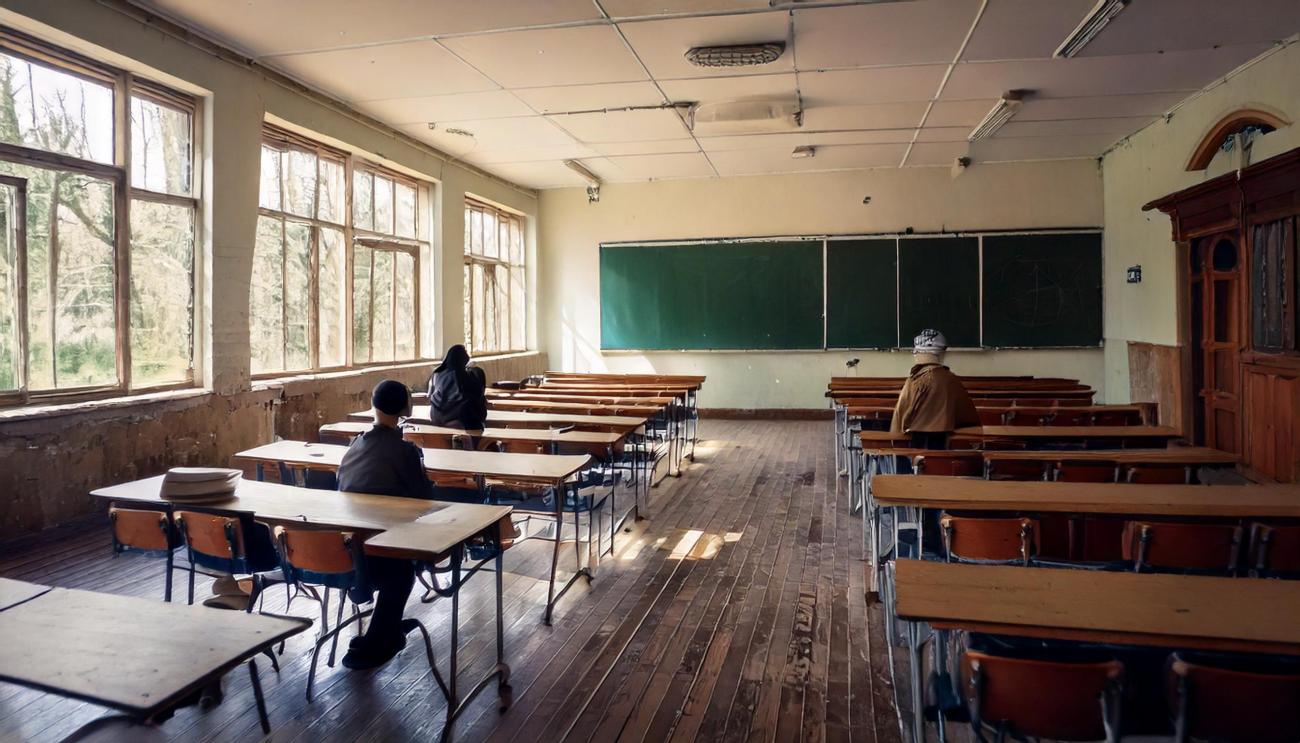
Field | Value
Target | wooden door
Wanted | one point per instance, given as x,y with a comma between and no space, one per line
1216,298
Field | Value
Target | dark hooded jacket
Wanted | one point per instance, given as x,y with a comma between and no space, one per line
456,393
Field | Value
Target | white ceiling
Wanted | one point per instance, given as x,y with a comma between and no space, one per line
883,83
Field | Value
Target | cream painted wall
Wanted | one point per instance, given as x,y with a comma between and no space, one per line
1149,165
236,101
986,197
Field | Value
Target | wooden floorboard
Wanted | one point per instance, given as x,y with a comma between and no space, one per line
736,611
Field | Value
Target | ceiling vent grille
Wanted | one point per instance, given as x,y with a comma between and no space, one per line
738,55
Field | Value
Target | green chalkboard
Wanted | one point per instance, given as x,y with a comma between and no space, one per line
1042,290
861,293
718,295
938,287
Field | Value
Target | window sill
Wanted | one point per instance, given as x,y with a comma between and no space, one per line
503,356
46,411
268,383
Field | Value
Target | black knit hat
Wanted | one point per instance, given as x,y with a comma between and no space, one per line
391,397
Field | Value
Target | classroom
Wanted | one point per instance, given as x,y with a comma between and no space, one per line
650,370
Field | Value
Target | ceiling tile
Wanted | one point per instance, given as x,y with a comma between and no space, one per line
277,26
538,174
590,97
1087,76
943,134
1172,25
624,126
416,68
638,8
655,167
491,104
778,160
866,136
662,45
1071,127
650,147
490,135
714,89
1024,29
875,116
879,85
785,140
1040,148
915,32
1145,104
559,152
960,113
551,56
935,153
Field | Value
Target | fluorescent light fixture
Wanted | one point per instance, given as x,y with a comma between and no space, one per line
1001,113
804,151
744,117
736,55
1101,14
591,178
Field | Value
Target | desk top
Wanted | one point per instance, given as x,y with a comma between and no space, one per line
533,467
1003,408
526,434
695,379
133,654
1069,432
1239,614
1185,455
14,592
437,532
972,494
514,403
420,414
579,397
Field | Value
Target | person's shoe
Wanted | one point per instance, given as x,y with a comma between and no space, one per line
373,655
407,626
236,602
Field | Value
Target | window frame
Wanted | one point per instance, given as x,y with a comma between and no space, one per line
125,87
472,259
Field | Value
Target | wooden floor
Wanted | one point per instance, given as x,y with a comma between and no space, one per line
735,612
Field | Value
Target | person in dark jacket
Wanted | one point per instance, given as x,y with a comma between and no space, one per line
456,392
380,462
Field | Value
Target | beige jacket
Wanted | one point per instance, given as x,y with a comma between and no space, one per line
933,400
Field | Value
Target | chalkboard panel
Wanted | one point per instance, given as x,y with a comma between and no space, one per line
1042,290
704,296
938,287
861,294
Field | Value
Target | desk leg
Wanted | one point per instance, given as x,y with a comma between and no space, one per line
914,672
258,699
455,705
261,475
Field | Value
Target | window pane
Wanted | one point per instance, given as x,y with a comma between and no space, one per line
405,210
468,316
361,296
85,342
383,205
490,230
330,201
502,284
516,242
405,298
10,222
363,214
467,238
518,310
161,146
476,232
297,295
266,298
300,183
52,110
333,283
268,195
480,324
383,329
162,294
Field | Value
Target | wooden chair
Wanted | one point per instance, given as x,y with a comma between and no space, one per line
1014,469
1274,550
147,532
1069,418
1097,540
1158,474
945,464
1116,418
989,540
1003,445
218,543
1182,547
1085,471
1226,699
1042,698
1023,418
992,417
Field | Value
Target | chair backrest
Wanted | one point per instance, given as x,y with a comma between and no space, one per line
1274,549
986,539
1003,444
991,417
1085,471
1070,418
319,551
210,534
1023,418
140,530
949,465
1166,474
1116,418
1097,539
1014,469
1239,703
428,439
516,446
1182,547
1042,698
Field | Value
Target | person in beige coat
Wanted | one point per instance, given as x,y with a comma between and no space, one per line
933,402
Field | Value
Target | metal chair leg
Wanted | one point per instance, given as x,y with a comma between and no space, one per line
258,699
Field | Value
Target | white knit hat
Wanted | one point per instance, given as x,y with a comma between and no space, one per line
929,341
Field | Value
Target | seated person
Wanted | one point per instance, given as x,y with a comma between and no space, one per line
933,402
379,461
456,392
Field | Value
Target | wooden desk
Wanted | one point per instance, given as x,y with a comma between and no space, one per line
1176,611
1174,455
15,592
1030,433
140,656
511,419
971,494
579,397
583,408
351,429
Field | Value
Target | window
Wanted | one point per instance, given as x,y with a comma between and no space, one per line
303,312
1274,287
496,297
96,245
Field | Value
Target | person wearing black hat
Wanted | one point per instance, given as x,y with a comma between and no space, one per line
380,462
457,392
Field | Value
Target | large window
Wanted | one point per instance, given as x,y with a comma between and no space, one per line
1275,285
496,299
97,240
309,242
